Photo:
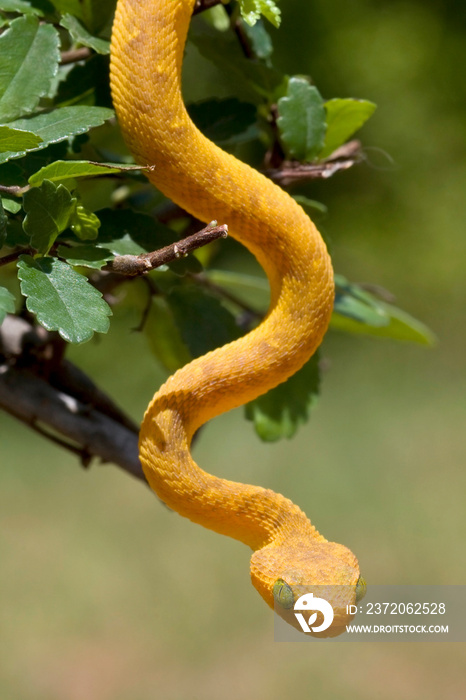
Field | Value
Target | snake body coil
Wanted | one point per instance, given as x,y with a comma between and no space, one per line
147,48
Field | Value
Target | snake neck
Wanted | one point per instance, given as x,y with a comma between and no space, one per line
147,48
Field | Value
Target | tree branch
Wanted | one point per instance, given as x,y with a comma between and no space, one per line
60,402
139,264
35,402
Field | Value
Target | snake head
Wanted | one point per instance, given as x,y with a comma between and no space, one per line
327,570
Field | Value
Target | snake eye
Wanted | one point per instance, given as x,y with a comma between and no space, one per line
282,593
361,587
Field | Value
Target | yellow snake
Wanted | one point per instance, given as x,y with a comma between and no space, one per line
147,48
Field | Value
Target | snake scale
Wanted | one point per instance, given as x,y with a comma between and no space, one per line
147,47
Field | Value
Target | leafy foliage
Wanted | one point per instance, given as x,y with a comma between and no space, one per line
301,120
21,6
72,199
82,36
344,117
17,138
279,413
358,311
85,255
56,294
56,126
33,56
61,170
48,212
251,10
204,323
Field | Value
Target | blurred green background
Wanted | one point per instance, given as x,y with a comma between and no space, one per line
106,595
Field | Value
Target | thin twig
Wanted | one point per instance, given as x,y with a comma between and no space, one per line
11,257
132,265
14,190
74,55
237,26
290,172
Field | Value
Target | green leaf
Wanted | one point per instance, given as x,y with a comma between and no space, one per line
3,222
7,303
31,56
131,233
58,125
403,326
399,326
74,7
217,17
344,118
85,256
84,223
224,121
164,337
203,322
301,120
251,10
94,13
82,36
49,209
11,205
62,170
62,299
16,139
279,413
260,40
124,245
359,312
370,314
98,15
24,8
